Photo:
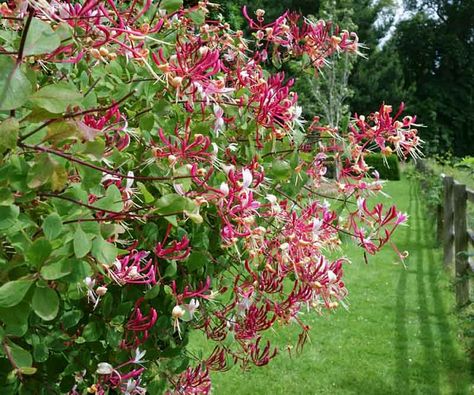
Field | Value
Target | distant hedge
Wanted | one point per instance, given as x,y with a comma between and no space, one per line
387,166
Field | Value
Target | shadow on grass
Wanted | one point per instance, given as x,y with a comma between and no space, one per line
402,375
430,367
436,336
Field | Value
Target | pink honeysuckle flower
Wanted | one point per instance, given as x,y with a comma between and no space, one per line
176,250
183,147
134,268
138,326
192,382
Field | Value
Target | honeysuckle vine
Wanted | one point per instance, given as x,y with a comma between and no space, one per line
157,178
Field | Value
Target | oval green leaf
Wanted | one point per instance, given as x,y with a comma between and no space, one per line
13,292
45,303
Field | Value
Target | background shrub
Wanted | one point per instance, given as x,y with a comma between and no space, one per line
387,166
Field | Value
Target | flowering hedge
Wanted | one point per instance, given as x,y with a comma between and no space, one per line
156,178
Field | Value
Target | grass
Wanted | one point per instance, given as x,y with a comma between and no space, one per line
400,335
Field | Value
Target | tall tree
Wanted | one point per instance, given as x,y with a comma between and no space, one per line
440,65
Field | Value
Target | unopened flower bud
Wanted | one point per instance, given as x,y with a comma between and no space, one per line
201,172
101,291
172,159
176,82
145,28
104,368
165,67
103,51
177,312
95,53
260,13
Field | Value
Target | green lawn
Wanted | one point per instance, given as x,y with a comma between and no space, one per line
399,336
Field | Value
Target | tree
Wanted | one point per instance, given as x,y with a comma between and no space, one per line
439,65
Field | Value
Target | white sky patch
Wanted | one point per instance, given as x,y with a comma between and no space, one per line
400,15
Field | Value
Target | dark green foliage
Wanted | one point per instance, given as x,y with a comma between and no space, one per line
387,166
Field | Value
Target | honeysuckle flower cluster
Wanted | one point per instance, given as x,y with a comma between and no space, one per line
168,184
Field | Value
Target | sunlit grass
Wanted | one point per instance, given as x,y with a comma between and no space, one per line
400,335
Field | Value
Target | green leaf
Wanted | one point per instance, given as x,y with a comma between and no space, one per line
197,260
58,177
13,292
56,98
9,134
104,251
64,31
52,226
174,203
171,5
16,319
56,270
197,16
39,251
40,352
112,200
40,39
71,318
38,114
15,88
80,270
82,243
45,303
28,371
8,216
41,172
153,292
92,331
171,269
281,169
21,357
147,122
6,197
60,131
146,194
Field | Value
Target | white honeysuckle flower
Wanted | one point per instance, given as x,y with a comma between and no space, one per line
228,168
179,189
219,123
224,188
191,307
89,282
360,204
247,178
233,147
271,198
130,180
284,246
332,276
138,358
317,223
